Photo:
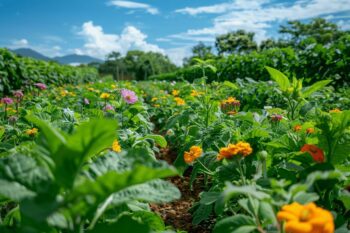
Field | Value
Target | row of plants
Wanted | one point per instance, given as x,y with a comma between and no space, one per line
22,72
81,158
274,156
313,62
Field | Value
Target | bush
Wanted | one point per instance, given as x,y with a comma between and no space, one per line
18,72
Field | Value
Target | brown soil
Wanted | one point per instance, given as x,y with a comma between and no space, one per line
176,213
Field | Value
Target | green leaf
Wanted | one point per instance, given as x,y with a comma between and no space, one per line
314,87
232,190
152,220
125,224
160,140
14,191
266,213
2,131
201,213
304,198
345,198
112,182
235,224
279,77
231,85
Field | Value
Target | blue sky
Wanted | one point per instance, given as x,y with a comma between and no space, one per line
171,27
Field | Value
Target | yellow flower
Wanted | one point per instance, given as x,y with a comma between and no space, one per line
105,96
336,110
113,86
175,92
179,101
195,93
194,153
116,146
64,93
91,89
154,99
156,105
240,148
31,132
306,218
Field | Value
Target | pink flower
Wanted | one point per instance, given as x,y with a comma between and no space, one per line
41,86
7,100
108,108
129,96
18,94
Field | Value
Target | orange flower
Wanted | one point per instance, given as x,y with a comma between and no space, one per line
315,152
32,132
310,130
297,128
194,153
241,148
116,146
336,110
306,219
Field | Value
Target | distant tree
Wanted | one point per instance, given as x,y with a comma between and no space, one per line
272,43
236,42
322,30
200,51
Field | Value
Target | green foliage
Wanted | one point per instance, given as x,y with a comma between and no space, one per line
63,185
21,73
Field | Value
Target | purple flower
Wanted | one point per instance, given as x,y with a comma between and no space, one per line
41,86
18,94
86,101
7,100
129,96
108,108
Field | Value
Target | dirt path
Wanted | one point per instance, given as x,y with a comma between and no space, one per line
176,213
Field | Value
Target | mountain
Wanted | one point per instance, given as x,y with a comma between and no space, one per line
25,52
66,60
76,59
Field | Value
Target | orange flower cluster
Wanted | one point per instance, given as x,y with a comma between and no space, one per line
297,128
241,148
194,153
306,219
195,93
116,146
315,152
179,101
336,110
230,105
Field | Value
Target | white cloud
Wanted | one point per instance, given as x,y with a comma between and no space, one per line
222,7
177,55
20,43
99,44
259,17
134,5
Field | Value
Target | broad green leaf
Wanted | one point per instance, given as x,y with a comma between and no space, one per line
235,224
14,191
126,224
112,182
267,213
54,138
279,78
202,213
160,140
232,190
315,87
304,198
231,85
